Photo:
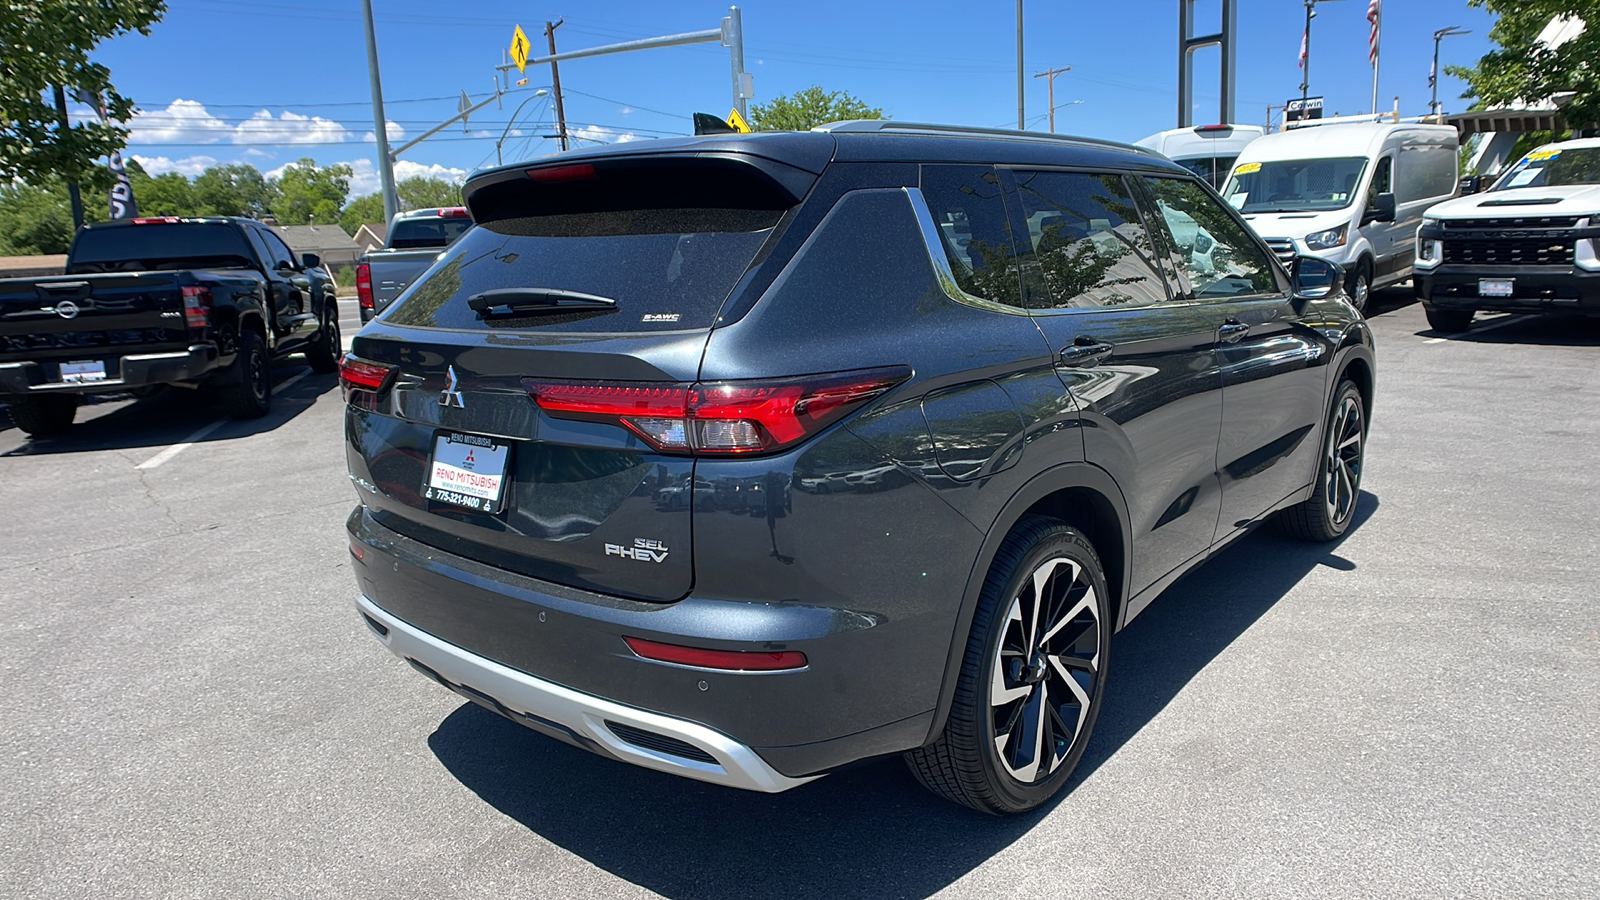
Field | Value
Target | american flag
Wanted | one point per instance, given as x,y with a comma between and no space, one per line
1303,37
1374,14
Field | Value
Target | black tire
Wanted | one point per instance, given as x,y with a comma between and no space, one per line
1327,513
251,398
1448,321
323,354
1360,287
1008,676
44,416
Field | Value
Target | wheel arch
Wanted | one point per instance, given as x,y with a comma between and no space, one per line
1084,496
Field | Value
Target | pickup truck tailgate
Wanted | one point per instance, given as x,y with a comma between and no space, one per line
90,315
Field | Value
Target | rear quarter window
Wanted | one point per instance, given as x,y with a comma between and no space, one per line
422,234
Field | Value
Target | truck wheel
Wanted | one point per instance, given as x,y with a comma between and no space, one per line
1327,513
323,355
1361,286
1033,676
44,416
1448,321
251,398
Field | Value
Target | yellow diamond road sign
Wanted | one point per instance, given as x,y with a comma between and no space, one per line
519,49
737,121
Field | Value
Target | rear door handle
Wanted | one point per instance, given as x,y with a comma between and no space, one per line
1232,332
1086,353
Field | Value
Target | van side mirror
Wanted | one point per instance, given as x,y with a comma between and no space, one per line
1381,210
1315,278
310,260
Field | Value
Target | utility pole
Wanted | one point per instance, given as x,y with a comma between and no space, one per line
391,199
1021,81
72,181
1050,76
555,82
1433,74
1305,77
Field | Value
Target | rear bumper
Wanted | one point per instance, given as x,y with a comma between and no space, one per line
33,377
602,726
1535,288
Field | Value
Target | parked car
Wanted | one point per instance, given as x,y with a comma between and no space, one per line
1075,413
1525,245
163,300
1351,193
414,241
1206,150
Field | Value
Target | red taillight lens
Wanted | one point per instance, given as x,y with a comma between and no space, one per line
453,212
731,660
364,285
359,375
157,220
718,418
196,306
554,174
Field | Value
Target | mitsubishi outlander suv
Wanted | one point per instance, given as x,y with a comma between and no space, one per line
746,457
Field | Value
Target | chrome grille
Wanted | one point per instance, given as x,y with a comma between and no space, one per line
1508,251
1282,248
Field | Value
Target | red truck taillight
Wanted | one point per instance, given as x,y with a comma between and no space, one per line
197,306
364,285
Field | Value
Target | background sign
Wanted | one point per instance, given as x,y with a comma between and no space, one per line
1297,110
519,49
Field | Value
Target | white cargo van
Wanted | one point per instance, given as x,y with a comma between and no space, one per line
1351,193
1207,151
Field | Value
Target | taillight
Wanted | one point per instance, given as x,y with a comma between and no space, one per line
453,212
196,306
359,375
731,660
364,285
722,417
157,220
558,174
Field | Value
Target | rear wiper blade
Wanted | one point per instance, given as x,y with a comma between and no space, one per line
535,300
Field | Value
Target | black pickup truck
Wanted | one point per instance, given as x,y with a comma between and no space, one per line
163,301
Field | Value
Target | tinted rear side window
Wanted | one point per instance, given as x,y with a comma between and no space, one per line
1089,244
421,234
178,245
970,215
664,268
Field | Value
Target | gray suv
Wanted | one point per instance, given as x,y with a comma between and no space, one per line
748,457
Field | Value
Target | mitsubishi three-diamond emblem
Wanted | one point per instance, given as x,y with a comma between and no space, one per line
451,395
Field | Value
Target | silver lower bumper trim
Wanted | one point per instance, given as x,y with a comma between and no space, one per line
736,765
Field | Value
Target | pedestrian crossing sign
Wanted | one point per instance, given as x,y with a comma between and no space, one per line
519,49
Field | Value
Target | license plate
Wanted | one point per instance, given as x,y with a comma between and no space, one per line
469,471
83,370
1496,287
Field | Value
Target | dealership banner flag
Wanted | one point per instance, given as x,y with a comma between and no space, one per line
123,205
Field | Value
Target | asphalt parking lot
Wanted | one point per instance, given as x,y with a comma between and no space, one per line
191,707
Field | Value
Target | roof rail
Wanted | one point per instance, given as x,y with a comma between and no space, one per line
850,126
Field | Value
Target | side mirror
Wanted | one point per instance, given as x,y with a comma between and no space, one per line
284,266
310,260
1381,210
1315,278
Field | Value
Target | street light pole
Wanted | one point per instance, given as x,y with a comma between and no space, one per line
1050,76
1433,74
541,92
380,128
1021,81
1305,77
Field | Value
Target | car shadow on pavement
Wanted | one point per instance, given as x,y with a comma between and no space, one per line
866,831
1541,329
167,417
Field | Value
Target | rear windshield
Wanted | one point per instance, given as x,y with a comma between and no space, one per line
159,245
422,234
664,269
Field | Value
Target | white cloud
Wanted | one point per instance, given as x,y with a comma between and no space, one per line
601,134
364,174
188,167
625,110
289,128
258,153
391,129
182,122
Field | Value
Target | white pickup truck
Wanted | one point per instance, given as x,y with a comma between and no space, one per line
1525,245
416,238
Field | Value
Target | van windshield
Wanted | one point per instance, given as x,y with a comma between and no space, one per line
1295,185
1548,168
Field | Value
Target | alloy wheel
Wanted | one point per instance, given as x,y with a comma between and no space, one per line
1343,467
1045,675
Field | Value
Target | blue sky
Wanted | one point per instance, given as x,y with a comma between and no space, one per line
270,82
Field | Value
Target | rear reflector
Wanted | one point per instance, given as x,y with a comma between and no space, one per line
360,375
364,285
554,174
730,660
722,417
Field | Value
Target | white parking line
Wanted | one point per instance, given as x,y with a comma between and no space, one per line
166,455
1509,320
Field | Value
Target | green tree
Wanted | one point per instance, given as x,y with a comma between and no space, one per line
164,195
236,189
806,109
45,43
34,219
309,194
1523,70
417,192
